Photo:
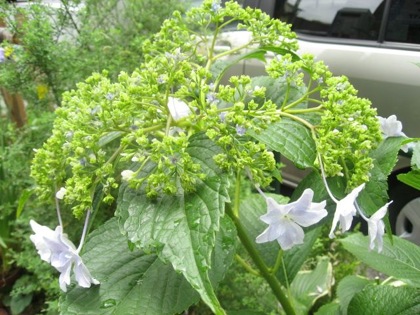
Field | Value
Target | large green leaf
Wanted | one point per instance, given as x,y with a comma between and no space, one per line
375,194
182,228
251,209
277,90
133,282
411,178
400,260
386,300
309,285
347,288
291,139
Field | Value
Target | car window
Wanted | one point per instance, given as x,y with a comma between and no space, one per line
355,19
404,22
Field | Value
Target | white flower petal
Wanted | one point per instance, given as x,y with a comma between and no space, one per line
270,234
391,127
60,193
127,175
178,108
82,274
345,211
285,221
292,235
64,279
376,227
305,212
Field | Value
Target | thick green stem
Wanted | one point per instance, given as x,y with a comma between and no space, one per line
271,279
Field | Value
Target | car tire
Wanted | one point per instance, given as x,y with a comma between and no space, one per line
404,211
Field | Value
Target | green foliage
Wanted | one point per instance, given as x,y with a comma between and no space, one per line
401,260
62,45
412,178
386,300
171,142
309,286
125,276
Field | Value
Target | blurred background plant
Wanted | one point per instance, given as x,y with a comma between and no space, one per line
48,47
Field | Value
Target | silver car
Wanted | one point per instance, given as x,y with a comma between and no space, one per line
376,43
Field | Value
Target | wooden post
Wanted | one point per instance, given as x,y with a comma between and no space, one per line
14,102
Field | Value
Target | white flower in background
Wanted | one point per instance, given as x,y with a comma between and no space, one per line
345,211
178,108
60,193
127,174
376,227
286,221
391,127
2,56
55,248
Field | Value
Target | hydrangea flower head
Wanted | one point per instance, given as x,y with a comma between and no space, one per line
286,221
55,248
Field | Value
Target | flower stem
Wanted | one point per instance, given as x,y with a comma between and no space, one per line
279,260
246,266
271,279
82,239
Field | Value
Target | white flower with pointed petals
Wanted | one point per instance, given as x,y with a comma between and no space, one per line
376,227
391,127
55,248
286,221
345,211
178,108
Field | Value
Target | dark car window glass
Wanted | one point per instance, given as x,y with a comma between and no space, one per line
404,22
355,19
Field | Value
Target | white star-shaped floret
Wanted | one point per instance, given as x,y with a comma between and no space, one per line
286,221
391,127
345,211
55,248
376,227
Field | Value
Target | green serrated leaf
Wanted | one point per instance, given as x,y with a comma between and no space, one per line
415,158
309,286
181,228
386,300
251,209
291,139
411,178
385,157
133,282
329,309
347,288
400,260
277,89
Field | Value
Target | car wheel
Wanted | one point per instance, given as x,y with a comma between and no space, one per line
404,211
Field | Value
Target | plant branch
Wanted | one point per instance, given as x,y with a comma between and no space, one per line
246,266
271,279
